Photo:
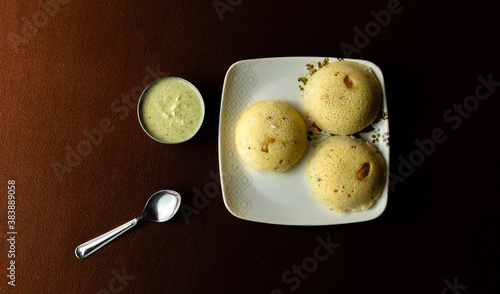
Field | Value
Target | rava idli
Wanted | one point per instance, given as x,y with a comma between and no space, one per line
270,136
346,173
343,97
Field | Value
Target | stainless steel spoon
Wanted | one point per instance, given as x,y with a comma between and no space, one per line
160,207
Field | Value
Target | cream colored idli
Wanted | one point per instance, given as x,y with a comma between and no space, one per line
346,174
343,97
270,136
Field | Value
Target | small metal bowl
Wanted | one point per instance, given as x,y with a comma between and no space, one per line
140,102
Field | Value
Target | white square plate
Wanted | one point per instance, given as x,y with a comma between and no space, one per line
283,198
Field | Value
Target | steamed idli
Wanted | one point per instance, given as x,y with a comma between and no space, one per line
270,136
343,97
346,174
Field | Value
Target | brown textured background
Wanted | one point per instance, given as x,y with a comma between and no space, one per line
441,223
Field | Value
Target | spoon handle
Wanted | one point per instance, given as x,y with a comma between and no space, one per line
89,247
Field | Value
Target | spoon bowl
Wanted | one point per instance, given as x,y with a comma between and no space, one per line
161,207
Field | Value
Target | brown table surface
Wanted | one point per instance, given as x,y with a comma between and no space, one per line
63,67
